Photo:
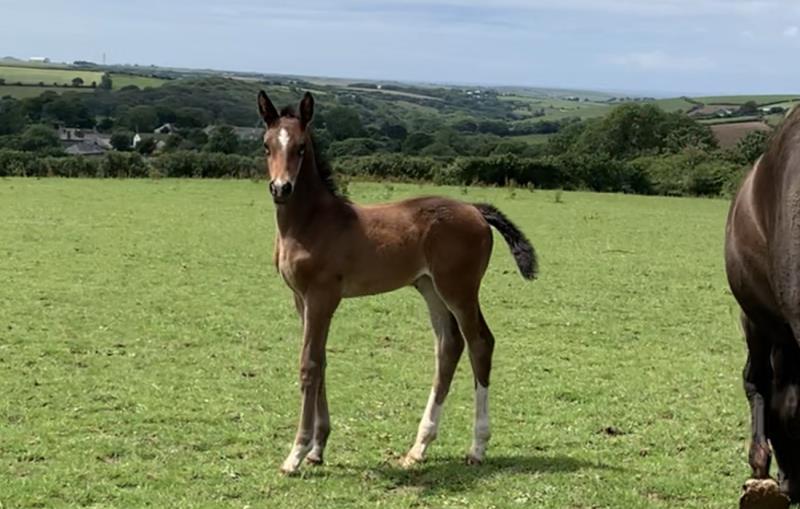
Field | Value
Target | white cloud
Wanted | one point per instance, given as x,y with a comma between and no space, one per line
791,32
661,61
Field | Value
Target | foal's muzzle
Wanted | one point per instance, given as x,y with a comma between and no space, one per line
280,191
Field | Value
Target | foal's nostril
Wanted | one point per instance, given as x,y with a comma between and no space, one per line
272,188
286,189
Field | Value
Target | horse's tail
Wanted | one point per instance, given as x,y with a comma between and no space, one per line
520,246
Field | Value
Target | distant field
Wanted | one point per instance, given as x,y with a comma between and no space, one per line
124,80
557,108
728,135
49,75
395,92
675,104
34,75
761,100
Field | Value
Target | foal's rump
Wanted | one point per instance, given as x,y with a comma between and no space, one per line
441,237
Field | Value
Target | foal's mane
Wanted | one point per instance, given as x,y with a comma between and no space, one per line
324,169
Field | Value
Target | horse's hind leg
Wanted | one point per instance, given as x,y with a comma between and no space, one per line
757,386
449,346
463,303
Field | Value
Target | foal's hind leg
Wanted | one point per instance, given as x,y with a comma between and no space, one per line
449,346
464,306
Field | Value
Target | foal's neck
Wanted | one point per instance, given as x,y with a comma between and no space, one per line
308,201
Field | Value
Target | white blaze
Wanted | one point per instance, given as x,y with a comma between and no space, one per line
283,138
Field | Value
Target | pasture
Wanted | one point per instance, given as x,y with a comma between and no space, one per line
54,78
47,75
148,355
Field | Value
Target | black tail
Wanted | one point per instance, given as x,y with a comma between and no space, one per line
520,246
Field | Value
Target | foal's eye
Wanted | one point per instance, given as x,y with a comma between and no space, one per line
266,148
302,149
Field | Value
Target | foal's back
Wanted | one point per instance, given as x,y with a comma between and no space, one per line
388,246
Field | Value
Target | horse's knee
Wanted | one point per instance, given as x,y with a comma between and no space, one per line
310,374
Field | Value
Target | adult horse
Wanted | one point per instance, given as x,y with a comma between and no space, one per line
762,255
328,249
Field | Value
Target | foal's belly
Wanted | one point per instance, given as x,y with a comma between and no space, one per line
359,285
377,274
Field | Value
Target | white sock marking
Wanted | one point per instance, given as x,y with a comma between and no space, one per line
295,458
482,432
428,427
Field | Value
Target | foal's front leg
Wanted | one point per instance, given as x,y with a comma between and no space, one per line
318,310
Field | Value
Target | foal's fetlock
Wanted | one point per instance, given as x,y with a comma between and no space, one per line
315,456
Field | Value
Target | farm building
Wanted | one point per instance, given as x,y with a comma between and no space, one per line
165,129
73,136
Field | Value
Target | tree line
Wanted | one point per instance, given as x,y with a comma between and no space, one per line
637,147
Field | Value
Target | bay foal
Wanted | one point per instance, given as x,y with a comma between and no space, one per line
328,249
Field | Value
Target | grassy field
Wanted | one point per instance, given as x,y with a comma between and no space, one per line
148,356
48,76
761,100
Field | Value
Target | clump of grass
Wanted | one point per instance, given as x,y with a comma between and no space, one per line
558,196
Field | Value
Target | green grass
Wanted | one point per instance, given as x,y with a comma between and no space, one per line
49,75
148,355
674,104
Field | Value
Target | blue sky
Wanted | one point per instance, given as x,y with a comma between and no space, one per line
667,46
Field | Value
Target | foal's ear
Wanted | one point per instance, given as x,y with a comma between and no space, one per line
306,109
266,109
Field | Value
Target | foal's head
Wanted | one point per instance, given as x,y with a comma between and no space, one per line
285,143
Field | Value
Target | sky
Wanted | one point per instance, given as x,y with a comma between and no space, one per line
663,47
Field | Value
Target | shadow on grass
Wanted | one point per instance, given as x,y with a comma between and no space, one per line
451,474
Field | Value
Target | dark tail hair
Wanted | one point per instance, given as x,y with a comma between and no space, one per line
520,246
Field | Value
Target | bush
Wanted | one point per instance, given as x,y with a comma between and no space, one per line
689,173
184,163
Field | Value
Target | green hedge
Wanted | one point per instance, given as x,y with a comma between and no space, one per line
689,173
131,165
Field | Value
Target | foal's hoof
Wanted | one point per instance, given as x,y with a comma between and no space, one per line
763,494
410,460
313,459
289,471
473,460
